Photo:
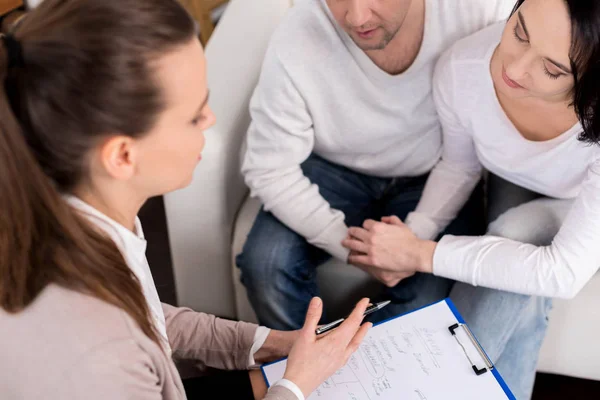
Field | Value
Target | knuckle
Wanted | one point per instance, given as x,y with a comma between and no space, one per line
374,259
388,279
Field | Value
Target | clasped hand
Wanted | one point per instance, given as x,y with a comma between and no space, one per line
388,250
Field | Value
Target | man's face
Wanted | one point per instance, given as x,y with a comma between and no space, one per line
372,24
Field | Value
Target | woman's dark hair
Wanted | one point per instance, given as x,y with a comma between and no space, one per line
585,64
73,72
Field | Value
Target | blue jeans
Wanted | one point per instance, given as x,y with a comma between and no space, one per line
510,327
279,267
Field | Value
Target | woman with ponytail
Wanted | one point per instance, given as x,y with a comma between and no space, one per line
103,105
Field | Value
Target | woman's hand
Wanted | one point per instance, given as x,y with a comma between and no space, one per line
277,345
314,359
389,250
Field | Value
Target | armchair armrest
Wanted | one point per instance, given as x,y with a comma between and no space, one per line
200,217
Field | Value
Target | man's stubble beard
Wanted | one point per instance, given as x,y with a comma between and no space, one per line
387,38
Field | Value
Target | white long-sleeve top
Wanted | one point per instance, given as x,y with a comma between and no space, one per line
318,92
476,133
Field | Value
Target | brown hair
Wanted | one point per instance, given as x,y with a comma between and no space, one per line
87,71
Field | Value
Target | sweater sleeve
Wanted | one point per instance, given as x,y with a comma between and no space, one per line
560,269
280,138
280,392
208,340
455,176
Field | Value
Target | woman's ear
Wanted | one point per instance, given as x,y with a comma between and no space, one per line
117,157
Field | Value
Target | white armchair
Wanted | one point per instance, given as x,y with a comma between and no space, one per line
208,222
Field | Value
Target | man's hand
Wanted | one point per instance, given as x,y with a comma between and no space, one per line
389,250
387,277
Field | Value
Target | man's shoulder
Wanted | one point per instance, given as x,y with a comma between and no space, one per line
467,61
489,10
459,18
475,47
305,33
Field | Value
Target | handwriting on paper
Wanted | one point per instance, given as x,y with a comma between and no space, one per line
413,357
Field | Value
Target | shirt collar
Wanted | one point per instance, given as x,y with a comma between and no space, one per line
129,243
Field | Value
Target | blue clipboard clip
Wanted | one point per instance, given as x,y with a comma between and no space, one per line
488,363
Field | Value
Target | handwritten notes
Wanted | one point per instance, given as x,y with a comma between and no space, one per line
413,357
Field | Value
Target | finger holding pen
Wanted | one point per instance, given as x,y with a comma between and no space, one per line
323,329
313,358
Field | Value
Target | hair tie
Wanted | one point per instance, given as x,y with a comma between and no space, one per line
14,50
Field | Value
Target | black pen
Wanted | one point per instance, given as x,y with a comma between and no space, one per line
371,309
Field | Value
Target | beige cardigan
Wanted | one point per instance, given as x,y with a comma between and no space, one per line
67,345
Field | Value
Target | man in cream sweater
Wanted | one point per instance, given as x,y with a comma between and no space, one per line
344,129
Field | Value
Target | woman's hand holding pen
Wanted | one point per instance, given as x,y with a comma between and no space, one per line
314,359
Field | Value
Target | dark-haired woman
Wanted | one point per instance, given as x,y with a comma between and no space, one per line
103,105
521,100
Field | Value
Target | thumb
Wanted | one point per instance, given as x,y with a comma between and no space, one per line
313,316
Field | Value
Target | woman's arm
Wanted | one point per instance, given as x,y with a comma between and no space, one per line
208,340
453,179
311,360
119,370
558,270
281,393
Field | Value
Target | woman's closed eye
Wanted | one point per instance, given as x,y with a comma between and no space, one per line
517,32
550,74
518,35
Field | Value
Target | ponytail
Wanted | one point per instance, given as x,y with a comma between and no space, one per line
42,240
74,71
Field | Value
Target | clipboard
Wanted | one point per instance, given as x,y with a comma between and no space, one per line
455,348
489,365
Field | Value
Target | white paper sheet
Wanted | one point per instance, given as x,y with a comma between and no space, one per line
413,357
